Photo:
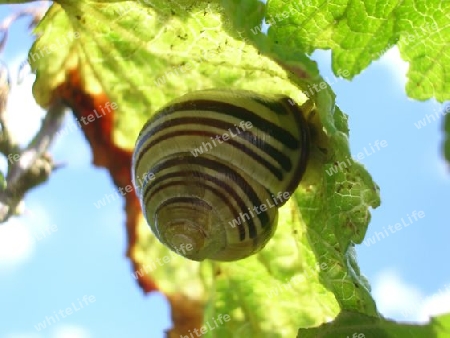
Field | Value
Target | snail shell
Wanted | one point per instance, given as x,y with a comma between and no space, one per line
223,162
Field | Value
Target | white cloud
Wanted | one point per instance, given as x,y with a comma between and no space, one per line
396,65
25,116
22,112
61,331
16,243
70,331
395,298
436,304
398,300
20,235
39,223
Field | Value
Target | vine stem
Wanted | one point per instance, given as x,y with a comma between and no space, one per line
33,165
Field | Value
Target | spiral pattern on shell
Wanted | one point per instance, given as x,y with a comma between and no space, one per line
218,157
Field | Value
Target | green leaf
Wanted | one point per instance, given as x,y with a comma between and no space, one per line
142,57
359,32
325,225
258,292
124,49
356,325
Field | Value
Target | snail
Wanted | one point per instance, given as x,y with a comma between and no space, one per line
221,163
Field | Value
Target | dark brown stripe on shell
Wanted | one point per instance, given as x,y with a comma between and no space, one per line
269,166
278,156
221,168
241,228
241,113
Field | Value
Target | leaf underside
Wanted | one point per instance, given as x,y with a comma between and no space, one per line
140,55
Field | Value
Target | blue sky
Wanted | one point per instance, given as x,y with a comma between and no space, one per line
85,254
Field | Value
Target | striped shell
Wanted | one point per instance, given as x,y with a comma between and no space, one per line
222,202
